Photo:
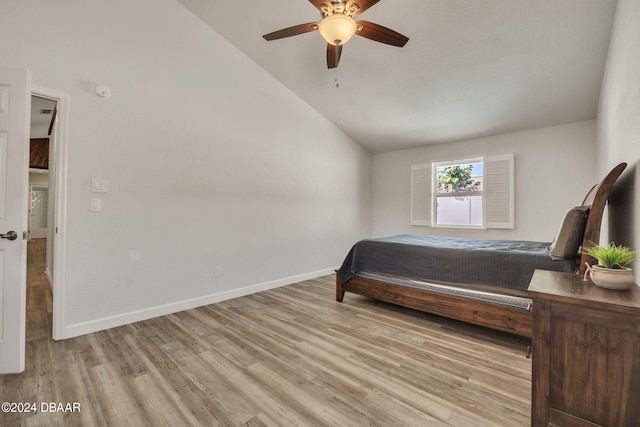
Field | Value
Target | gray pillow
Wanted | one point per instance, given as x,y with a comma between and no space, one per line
569,237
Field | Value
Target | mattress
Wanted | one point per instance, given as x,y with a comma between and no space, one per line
507,264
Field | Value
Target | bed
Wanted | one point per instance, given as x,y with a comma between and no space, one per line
483,282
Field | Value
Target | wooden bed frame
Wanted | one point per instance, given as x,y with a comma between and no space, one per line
484,313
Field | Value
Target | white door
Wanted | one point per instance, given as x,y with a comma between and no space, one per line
38,214
15,105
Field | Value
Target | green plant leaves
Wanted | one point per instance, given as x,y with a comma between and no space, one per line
612,256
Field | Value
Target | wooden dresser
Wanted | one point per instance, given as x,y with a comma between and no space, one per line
586,353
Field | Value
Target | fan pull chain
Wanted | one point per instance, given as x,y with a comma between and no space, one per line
337,84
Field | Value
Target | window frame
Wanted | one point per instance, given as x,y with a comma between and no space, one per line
499,199
435,194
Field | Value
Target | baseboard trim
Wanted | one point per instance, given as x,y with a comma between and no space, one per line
49,279
101,324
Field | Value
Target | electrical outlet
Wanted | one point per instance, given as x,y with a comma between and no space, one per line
217,272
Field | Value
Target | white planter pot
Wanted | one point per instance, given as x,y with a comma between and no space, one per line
620,278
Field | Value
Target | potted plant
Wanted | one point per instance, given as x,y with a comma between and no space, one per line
612,272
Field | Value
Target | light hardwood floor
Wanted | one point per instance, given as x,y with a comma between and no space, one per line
288,356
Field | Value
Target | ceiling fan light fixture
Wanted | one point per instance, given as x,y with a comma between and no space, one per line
337,29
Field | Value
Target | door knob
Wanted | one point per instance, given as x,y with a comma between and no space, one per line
11,235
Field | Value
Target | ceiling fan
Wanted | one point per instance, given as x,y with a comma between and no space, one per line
338,25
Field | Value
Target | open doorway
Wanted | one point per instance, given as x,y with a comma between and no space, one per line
48,169
44,112
39,246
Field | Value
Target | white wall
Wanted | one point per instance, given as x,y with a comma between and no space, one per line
210,161
619,126
555,168
38,178
39,132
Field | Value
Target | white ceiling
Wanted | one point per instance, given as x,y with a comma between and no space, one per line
40,121
471,68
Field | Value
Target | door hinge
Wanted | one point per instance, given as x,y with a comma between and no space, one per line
24,235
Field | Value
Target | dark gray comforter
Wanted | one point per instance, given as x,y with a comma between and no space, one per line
501,263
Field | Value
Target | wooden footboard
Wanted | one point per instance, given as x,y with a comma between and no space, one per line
496,316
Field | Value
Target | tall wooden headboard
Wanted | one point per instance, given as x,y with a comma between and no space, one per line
597,199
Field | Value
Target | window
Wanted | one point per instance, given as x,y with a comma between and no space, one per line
457,193
476,192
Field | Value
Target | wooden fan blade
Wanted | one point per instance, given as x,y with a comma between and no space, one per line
319,3
292,31
380,34
362,5
333,55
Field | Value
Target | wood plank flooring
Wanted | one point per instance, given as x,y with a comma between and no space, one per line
291,356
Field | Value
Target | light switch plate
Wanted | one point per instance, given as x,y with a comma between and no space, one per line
99,185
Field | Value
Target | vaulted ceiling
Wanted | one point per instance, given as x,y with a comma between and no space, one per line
470,68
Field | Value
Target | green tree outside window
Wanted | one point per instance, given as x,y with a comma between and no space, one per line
456,179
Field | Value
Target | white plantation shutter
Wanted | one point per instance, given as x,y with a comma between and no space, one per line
420,195
499,192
